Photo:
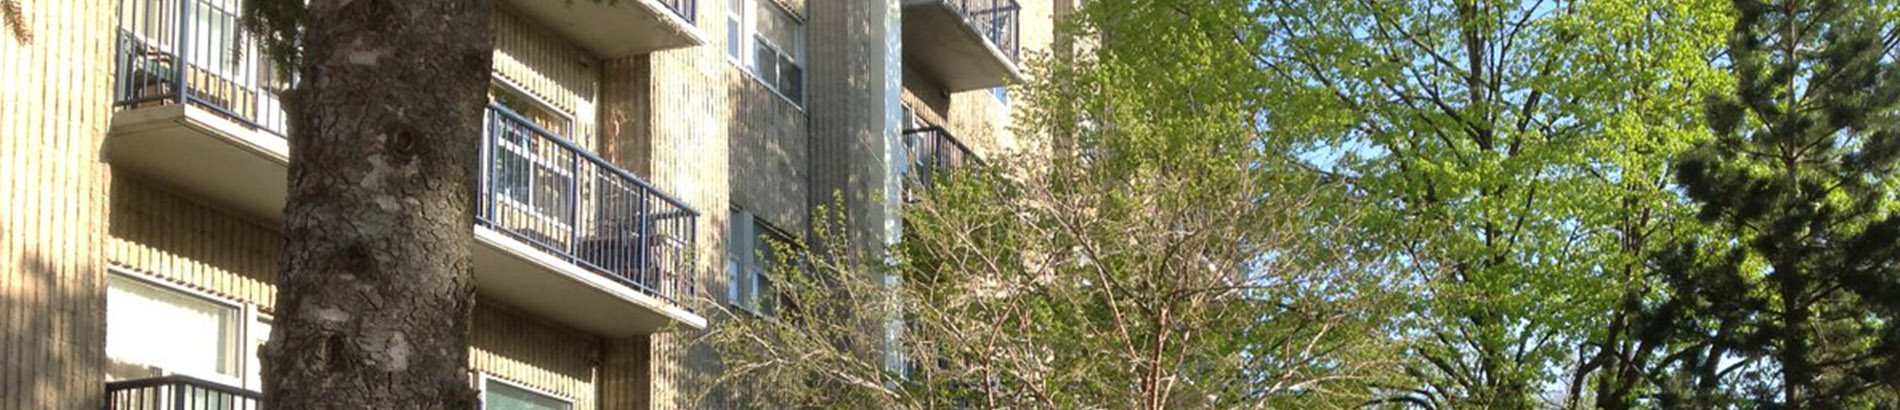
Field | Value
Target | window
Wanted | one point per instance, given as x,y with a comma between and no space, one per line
178,333
750,254
500,395
529,172
769,41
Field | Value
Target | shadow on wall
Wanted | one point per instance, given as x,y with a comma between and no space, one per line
542,348
768,147
54,340
164,225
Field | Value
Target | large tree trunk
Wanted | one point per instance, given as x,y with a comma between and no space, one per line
375,298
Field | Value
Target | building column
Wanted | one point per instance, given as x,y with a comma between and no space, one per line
54,112
856,56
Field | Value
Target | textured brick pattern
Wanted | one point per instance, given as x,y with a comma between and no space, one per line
552,69
170,237
53,114
517,347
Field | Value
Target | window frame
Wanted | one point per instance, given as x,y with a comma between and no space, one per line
486,377
745,55
530,153
743,287
239,334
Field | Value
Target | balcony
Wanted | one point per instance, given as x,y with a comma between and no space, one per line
559,232
178,393
592,229
614,29
197,107
933,152
963,44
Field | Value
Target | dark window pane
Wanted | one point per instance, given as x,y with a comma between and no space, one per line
792,81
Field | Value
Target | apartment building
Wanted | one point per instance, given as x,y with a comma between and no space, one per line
637,157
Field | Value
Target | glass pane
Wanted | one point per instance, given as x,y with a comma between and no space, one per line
173,331
735,41
776,25
791,80
502,396
737,224
765,63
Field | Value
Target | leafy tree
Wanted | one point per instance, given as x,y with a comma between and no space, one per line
1159,256
376,295
1514,154
1793,303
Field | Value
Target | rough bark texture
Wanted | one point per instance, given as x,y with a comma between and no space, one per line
376,297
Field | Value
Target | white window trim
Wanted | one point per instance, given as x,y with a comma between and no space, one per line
527,152
481,390
511,86
245,312
749,33
252,316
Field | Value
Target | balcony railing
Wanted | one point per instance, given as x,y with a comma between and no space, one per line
194,52
686,9
178,393
996,20
547,192
932,152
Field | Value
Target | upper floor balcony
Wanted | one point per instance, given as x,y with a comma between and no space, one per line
932,153
964,44
560,232
618,28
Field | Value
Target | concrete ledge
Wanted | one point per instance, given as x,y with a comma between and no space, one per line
620,29
938,42
522,276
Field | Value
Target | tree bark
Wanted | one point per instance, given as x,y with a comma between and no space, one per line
376,295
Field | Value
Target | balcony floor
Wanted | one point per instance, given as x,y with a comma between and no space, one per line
939,42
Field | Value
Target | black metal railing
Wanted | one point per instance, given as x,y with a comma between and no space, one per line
996,20
195,52
178,393
932,153
547,192
684,8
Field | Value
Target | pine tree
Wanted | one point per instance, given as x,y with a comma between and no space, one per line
1802,288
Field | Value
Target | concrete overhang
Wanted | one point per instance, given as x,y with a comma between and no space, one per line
221,161
941,43
616,28
204,154
524,277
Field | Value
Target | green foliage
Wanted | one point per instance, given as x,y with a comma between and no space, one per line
278,27
1156,256
1407,204
1801,287
1516,153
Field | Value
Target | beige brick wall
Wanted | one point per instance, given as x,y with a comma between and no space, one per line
518,347
53,114
167,236
552,69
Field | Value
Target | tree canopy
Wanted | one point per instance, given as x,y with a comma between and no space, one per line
1572,204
